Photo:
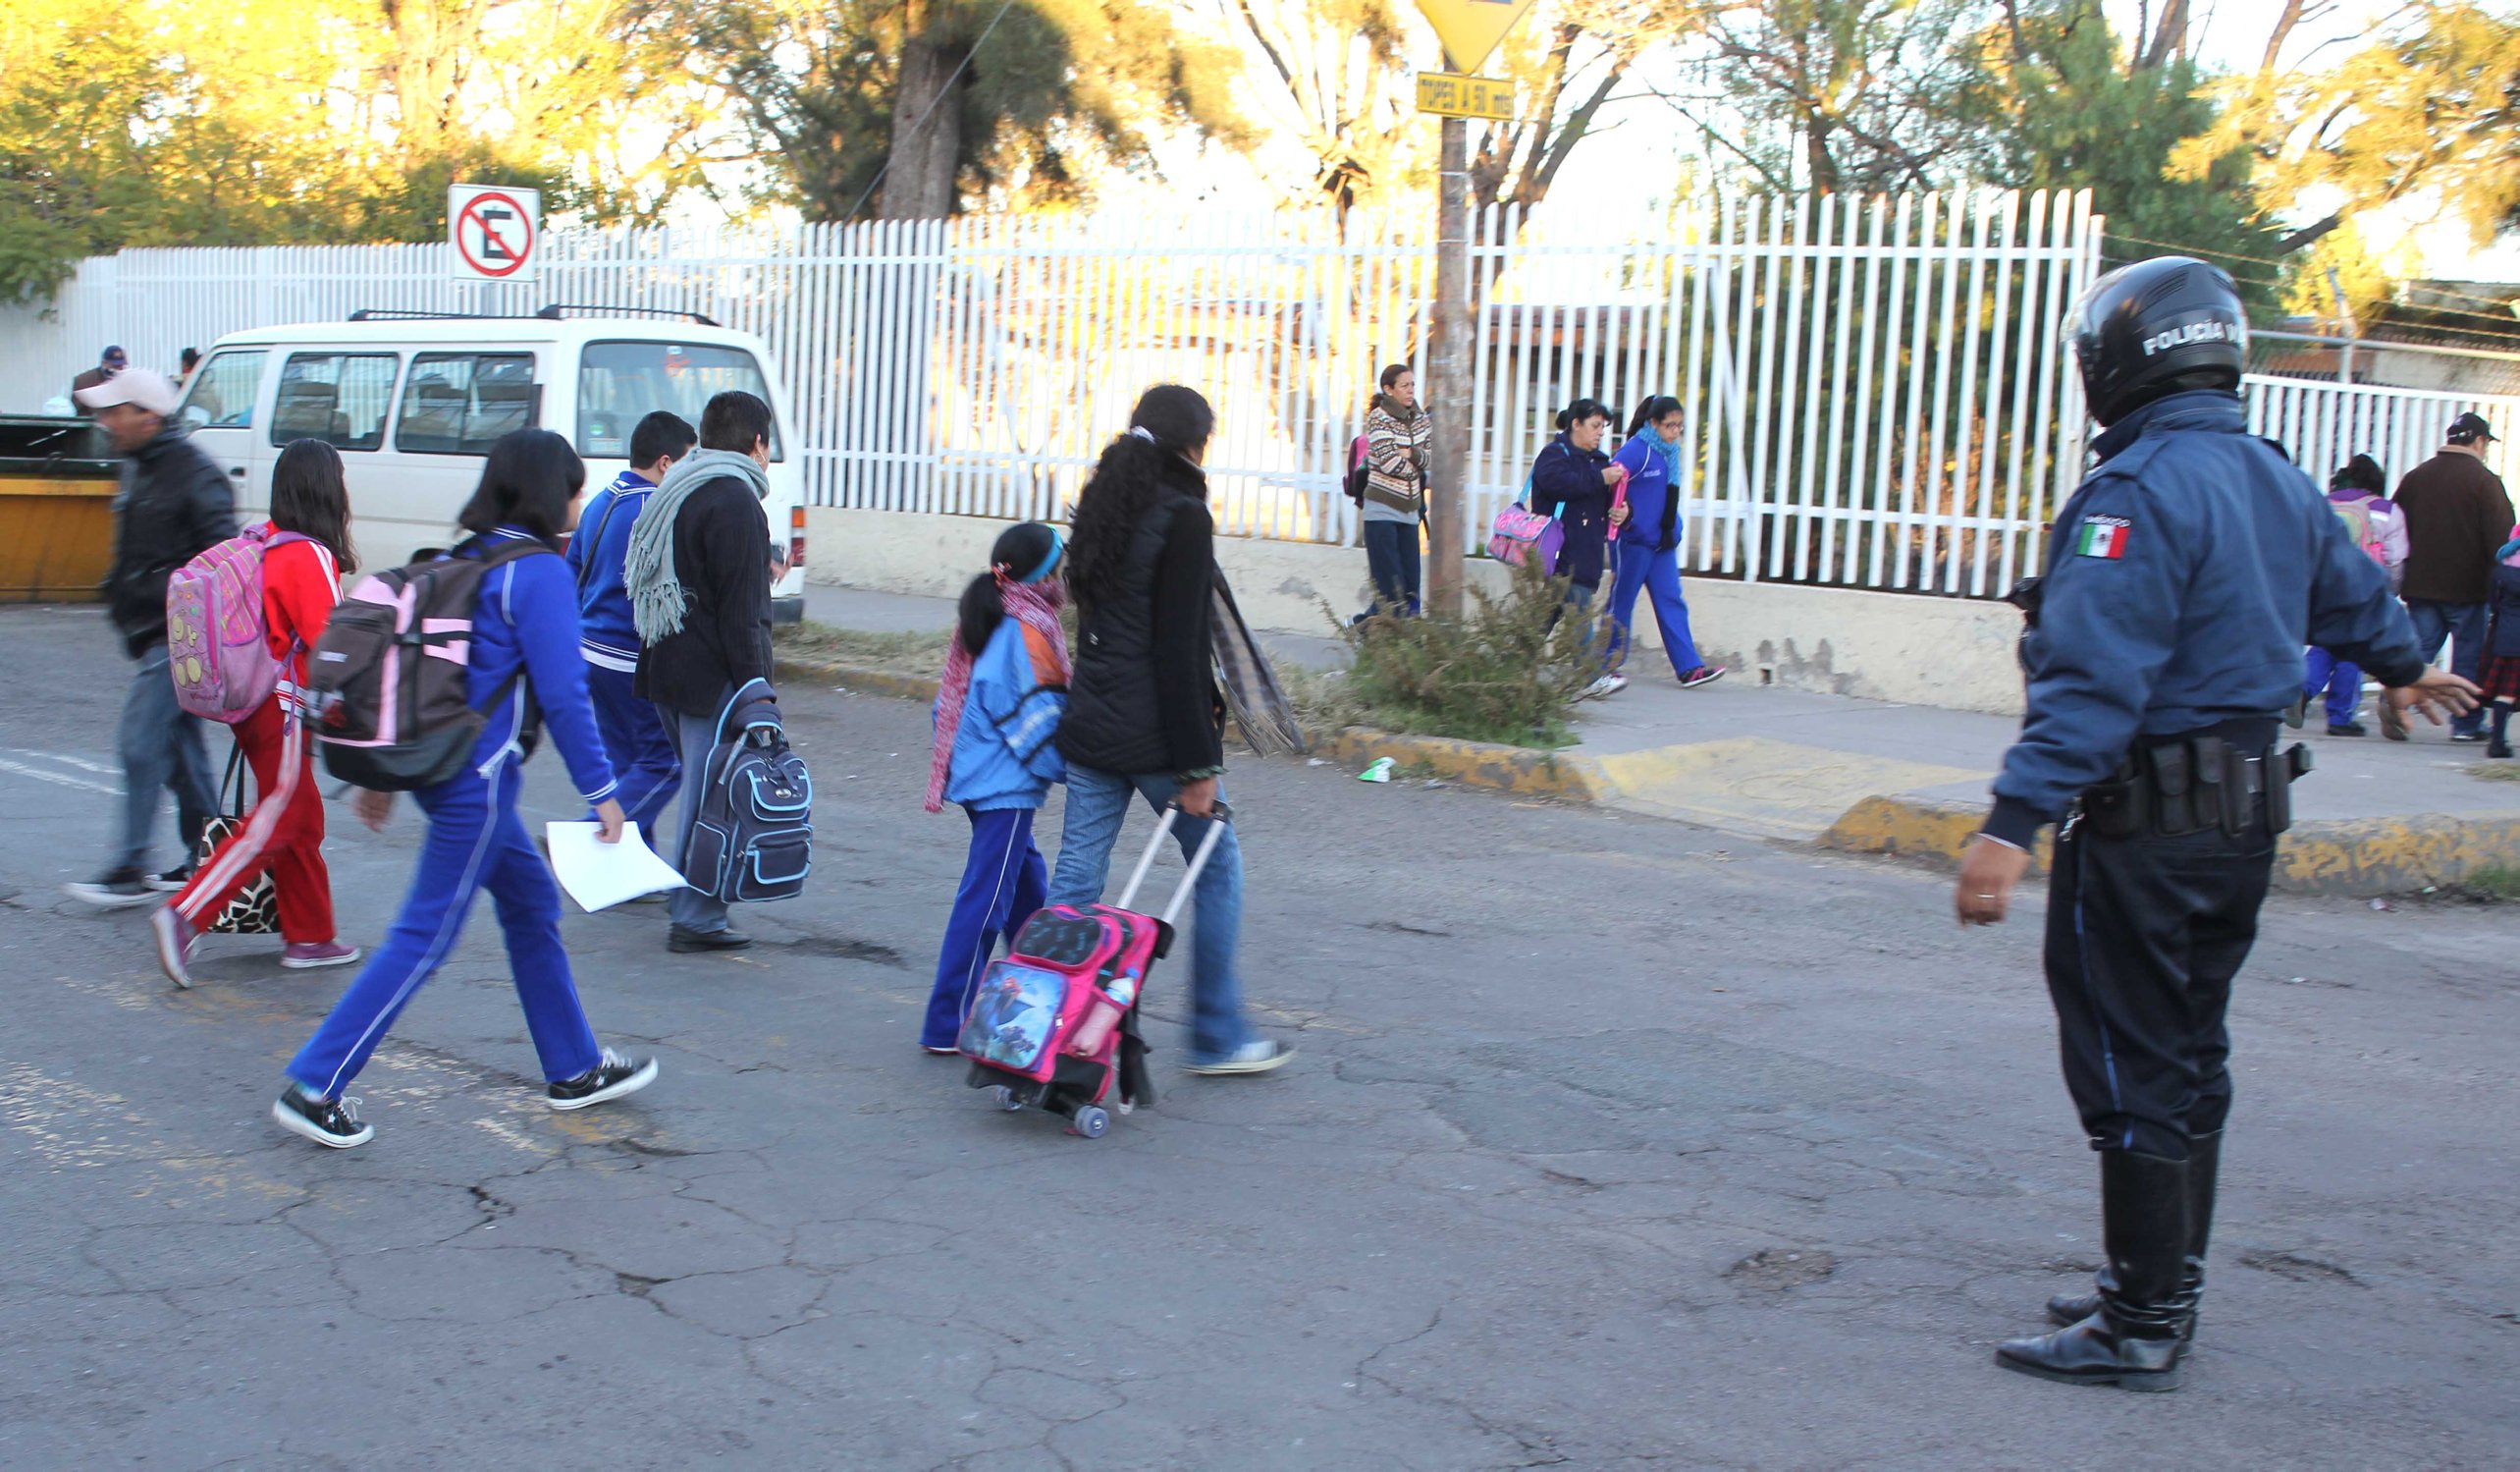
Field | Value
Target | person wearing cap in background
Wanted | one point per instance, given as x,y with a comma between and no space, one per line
171,504
2190,569
2457,516
111,362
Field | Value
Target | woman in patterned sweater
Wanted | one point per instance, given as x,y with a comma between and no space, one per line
1395,432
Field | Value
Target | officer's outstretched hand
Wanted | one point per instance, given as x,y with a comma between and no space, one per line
2440,694
1988,872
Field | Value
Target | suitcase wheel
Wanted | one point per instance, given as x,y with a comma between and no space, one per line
1004,1098
1090,1122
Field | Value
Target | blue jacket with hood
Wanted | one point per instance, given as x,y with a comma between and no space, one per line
1003,755
596,554
2183,578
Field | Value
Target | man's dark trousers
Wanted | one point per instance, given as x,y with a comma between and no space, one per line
2144,936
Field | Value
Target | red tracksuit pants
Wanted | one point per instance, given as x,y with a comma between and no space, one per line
284,835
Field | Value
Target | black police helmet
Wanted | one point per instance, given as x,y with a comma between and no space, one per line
2158,327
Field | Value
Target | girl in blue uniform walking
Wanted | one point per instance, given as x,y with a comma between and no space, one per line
1645,549
525,618
1004,689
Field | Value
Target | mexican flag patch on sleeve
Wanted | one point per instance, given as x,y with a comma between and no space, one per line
2103,537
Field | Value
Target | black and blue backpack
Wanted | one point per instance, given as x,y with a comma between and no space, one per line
754,838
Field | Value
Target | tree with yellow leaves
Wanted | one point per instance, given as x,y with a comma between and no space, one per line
2433,105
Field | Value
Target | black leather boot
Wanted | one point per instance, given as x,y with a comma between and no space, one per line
2138,1336
2204,1163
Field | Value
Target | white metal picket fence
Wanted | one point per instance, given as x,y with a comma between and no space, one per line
1876,394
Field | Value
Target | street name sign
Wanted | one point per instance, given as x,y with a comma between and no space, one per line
1455,96
494,229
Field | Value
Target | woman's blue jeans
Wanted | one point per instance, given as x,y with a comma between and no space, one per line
1098,804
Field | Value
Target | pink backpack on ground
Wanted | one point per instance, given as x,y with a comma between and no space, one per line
217,643
1055,1026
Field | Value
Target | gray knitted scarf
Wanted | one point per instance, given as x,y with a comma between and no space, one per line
657,596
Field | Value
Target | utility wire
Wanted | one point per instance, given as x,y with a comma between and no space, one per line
943,93
2270,260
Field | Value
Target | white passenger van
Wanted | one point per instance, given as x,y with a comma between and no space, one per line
413,399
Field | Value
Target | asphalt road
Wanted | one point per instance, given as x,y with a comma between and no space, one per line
1613,1142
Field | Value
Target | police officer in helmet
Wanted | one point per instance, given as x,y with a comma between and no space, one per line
2185,578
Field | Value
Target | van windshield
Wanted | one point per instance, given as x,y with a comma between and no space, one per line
619,383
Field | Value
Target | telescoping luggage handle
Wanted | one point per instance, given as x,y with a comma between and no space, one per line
1220,814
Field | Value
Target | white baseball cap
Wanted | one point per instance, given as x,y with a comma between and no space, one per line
137,387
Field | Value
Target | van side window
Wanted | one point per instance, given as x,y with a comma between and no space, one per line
222,390
619,383
460,403
338,397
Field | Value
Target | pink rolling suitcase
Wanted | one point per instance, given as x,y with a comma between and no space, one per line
1055,1026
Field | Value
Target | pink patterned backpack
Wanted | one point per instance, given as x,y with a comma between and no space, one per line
215,636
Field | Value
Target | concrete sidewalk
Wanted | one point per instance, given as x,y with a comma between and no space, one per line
1871,776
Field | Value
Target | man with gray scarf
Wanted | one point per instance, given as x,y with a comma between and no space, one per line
700,599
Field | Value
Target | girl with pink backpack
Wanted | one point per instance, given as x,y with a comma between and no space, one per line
295,564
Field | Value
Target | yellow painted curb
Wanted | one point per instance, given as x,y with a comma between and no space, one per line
1476,764
858,680
2355,857
1907,828
2392,855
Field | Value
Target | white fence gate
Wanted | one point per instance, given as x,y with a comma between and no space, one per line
1876,392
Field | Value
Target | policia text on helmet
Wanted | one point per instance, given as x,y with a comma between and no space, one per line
2156,664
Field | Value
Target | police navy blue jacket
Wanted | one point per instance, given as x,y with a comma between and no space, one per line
2183,578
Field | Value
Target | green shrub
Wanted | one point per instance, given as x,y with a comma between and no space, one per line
2498,883
1510,670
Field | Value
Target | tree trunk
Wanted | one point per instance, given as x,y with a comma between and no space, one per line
927,133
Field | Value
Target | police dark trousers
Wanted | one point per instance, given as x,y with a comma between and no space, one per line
2150,915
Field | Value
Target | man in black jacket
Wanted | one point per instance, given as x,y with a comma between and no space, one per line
173,504
697,576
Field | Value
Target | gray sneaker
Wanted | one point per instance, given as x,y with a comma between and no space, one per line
1261,1057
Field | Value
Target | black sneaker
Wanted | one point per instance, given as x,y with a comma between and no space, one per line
680,938
1703,674
116,888
2467,735
172,881
2347,728
611,1078
327,1121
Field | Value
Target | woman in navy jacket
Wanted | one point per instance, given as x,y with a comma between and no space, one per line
524,618
1572,478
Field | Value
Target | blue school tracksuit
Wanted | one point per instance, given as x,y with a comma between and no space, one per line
1646,553
1002,766
527,616
639,741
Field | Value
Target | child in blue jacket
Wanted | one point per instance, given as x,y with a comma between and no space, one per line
1004,689
642,748
1645,552
525,618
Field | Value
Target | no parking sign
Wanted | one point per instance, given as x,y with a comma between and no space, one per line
494,229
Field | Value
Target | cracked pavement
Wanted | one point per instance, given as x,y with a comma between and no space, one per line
1613,1143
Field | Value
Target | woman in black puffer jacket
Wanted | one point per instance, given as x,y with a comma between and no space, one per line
1144,713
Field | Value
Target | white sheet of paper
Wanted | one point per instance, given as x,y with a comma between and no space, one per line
598,874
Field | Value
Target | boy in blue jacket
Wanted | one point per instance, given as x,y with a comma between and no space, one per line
641,747
1004,689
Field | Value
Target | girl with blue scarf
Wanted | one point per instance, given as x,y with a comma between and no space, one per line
1647,549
